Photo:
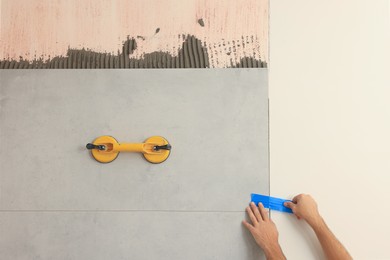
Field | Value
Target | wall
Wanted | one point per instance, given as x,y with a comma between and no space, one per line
227,31
330,120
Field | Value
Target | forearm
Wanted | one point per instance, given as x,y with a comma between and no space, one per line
274,253
332,247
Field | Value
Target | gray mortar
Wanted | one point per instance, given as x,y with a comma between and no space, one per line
192,54
250,62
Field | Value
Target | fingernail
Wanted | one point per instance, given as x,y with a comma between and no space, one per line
260,204
252,203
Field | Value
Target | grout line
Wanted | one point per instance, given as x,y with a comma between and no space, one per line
269,149
269,91
120,210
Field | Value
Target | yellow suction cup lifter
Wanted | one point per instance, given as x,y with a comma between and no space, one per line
105,149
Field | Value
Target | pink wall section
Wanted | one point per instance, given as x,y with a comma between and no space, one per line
46,28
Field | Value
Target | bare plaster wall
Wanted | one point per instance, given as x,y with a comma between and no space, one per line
329,121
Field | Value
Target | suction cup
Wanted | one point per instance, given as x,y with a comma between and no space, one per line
161,152
107,154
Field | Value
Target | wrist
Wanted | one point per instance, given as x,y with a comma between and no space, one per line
316,223
274,252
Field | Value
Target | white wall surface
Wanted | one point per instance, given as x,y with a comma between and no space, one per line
330,121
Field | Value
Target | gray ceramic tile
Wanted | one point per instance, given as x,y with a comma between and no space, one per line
216,121
125,235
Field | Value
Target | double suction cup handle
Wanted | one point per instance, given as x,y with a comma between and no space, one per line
105,149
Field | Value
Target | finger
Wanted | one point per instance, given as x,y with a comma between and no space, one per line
251,216
289,205
247,225
297,198
263,212
256,211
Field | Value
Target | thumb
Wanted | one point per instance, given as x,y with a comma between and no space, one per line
289,205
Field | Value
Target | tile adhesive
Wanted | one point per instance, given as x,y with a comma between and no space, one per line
192,54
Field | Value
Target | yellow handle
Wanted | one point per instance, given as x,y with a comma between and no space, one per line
129,147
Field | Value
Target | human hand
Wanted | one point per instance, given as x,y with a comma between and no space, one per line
305,207
264,231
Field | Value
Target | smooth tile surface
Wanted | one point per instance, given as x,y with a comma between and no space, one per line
216,121
125,235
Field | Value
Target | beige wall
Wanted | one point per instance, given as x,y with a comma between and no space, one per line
330,120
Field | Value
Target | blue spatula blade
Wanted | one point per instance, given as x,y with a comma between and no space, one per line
270,202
